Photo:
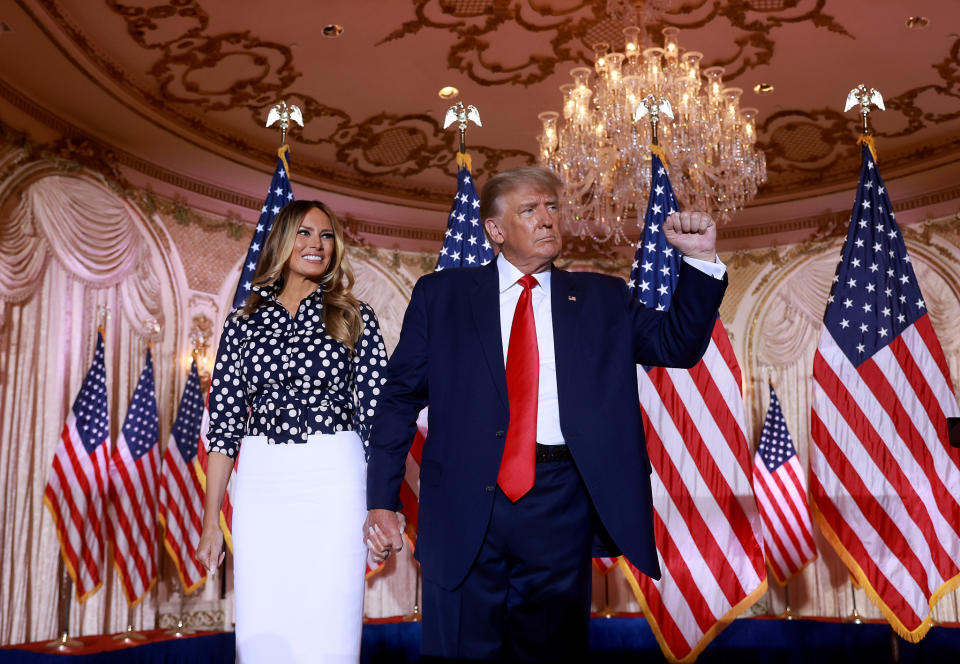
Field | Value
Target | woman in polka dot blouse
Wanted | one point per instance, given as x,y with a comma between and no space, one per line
299,370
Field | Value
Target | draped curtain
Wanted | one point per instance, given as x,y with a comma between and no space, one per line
70,247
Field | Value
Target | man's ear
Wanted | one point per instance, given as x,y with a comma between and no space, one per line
494,232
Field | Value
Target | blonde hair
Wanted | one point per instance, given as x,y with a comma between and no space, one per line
341,317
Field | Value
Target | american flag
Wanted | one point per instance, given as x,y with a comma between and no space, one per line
782,498
884,483
181,494
279,194
605,564
132,511
77,484
464,244
705,518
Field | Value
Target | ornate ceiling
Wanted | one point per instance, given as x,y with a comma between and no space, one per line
207,71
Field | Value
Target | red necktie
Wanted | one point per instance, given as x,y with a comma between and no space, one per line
517,468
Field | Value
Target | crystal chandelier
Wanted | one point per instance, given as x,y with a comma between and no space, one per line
603,155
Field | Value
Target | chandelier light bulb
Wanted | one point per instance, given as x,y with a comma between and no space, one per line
603,155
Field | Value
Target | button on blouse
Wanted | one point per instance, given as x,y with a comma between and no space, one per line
285,378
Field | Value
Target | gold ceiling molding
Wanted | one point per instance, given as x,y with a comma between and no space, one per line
194,76
835,224
77,148
175,30
805,147
573,31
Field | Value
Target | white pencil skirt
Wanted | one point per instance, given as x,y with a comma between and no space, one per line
299,553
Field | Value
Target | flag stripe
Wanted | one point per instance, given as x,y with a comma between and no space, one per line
798,494
852,426
680,398
775,549
923,329
889,451
852,530
787,550
699,515
914,476
917,360
789,515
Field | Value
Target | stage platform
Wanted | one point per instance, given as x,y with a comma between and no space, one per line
618,639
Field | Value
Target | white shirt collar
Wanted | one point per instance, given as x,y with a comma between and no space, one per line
509,275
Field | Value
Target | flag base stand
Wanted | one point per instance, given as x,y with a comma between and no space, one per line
129,636
179,630
606,612
64,643
788,614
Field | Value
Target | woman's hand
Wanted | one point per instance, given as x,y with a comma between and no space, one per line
210,549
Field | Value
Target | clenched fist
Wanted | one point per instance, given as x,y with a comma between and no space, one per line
694,234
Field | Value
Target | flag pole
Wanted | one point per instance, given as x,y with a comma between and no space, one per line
854,616
607,612
788,613
64,588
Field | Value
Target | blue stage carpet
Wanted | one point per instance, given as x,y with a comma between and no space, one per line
746,641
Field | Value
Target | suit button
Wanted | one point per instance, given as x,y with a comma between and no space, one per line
489,488
500,434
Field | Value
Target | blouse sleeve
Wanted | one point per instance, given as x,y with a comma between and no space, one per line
369,367
228,402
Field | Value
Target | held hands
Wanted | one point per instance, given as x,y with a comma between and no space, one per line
210,548
383,531
693,233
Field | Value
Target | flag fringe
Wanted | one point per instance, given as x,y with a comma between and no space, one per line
657,150
790,578
123,586
913,636
708,636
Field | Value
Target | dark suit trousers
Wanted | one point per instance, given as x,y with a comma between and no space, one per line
527,596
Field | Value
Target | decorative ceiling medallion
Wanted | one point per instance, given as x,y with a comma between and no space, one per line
483,46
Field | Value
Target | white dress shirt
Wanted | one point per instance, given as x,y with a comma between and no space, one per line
548,407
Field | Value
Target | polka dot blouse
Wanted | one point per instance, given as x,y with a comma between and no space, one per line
285,378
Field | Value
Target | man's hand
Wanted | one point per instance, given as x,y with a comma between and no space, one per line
383,533
693,233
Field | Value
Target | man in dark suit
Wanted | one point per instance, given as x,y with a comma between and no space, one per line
535,440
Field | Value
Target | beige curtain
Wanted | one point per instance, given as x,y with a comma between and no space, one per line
69,247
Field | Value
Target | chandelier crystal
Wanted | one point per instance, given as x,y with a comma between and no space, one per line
603,155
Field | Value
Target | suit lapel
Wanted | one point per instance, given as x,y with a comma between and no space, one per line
486,316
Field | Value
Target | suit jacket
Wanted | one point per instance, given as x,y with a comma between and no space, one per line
450,356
